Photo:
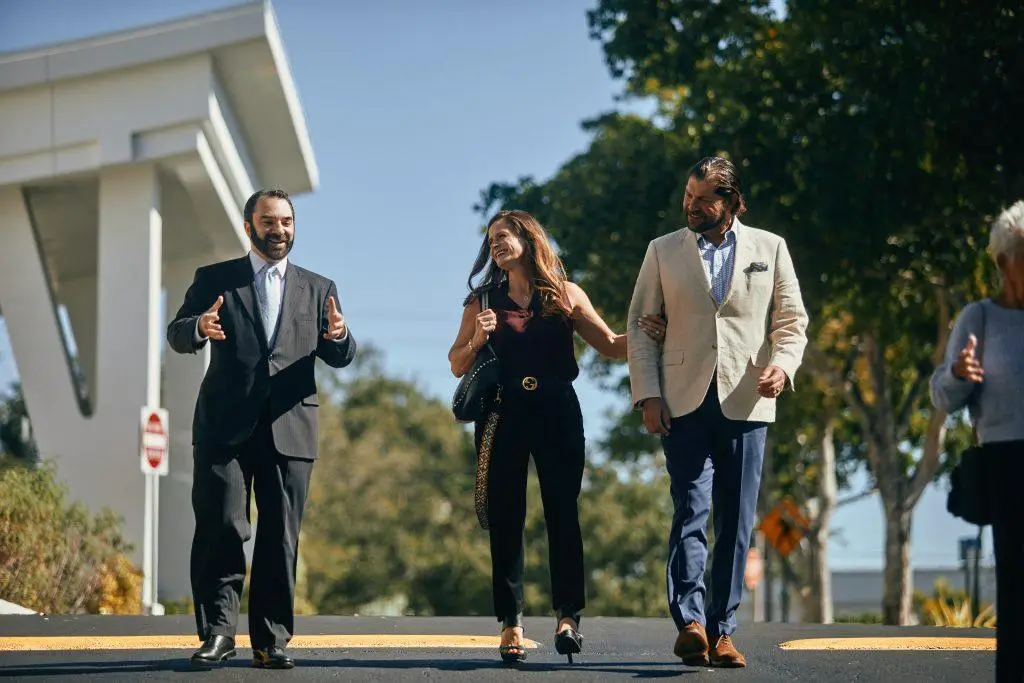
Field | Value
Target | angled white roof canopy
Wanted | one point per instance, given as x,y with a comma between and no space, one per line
251,72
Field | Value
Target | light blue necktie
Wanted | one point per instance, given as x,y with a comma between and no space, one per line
271,299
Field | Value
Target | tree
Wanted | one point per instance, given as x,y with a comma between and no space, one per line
390,511
814,450
848,124
55,557
15,437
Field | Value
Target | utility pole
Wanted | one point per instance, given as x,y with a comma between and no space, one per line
769,583
976,593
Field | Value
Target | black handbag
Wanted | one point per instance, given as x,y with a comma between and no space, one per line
478,389
970,493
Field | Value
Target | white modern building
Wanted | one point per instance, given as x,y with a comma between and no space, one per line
125,161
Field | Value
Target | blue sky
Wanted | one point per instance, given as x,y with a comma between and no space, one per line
413,108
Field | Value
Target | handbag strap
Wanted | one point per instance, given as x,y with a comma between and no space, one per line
484,297
981,359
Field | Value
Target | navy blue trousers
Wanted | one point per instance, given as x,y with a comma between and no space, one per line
712,462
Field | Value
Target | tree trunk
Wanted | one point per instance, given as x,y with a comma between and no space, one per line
899,585
820,605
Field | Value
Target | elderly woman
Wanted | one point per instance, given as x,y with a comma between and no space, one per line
984,371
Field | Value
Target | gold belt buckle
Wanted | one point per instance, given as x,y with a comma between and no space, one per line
530,383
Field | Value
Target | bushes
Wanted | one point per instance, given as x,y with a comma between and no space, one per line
948,606
54,556
862,618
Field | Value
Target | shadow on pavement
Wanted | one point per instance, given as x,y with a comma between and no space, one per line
640,670
100,667
636,669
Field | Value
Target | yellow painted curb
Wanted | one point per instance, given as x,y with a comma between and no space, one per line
63,643
891,643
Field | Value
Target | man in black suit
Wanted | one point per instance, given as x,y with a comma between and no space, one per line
255,426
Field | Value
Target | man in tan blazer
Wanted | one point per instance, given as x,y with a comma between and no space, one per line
734,338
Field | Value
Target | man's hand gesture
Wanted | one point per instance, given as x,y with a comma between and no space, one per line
335,321
771,381
209,322
967,366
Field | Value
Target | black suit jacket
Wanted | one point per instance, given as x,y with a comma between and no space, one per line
246,376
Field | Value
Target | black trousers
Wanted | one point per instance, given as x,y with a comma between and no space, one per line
547,424
223,478
1007,472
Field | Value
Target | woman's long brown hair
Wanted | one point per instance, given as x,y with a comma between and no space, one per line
548,271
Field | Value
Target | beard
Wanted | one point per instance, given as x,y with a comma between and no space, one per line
701,222
272,249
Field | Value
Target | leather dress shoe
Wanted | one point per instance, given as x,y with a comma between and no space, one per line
692,645
272,657
723,653
215,650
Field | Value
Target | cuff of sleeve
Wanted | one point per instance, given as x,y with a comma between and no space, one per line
196,336
788,371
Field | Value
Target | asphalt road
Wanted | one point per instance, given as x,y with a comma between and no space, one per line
614,649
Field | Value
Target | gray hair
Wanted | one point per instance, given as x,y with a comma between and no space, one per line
1007,235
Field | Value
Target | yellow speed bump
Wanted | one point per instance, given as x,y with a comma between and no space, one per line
67,643
891,643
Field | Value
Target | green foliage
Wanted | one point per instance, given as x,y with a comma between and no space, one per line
951,607
54,556
390,526
179,606
12,413
625,515
861,618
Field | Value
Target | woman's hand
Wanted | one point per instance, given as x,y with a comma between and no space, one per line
967,366
474,331
486,322
654,326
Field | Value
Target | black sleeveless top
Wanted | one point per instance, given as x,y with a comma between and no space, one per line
529,343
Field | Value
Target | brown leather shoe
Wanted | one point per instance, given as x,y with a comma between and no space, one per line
692,645
724,654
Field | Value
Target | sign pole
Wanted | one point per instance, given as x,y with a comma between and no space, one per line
976,589
147,547
155,607
153,448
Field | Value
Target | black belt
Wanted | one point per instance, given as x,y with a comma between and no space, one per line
533,383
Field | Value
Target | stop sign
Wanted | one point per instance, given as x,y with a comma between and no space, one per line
155,440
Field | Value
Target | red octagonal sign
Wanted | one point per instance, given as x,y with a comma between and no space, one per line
154,441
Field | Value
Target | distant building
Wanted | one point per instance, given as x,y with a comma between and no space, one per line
857,592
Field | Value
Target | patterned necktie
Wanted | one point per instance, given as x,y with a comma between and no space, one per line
271,308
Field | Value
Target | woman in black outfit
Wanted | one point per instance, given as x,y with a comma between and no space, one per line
532,314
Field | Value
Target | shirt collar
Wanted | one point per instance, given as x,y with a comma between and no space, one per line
730,236
258,262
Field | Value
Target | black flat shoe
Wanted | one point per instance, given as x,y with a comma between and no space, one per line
512,653
272,657
215,651
568,640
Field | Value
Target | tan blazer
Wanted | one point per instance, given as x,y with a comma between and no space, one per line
761,322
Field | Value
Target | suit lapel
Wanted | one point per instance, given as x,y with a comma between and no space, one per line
744,254
694,263
245,290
